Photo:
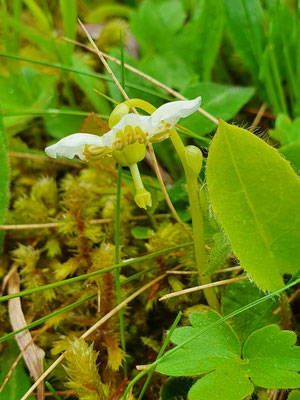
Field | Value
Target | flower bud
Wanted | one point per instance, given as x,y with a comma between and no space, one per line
143,198
117,114
194,159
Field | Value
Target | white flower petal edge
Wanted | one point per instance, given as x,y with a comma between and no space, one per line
172,112
73,145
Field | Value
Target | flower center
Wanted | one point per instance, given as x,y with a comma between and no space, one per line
131,135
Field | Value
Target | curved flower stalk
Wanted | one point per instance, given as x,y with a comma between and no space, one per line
127,140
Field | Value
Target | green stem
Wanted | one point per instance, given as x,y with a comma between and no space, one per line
86,73
286,312
47,317
161,352
117,261
197,221
136,177
52,390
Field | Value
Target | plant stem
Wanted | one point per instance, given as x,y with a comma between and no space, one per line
47,317
161,352
136,177
286,312
117,261
197,221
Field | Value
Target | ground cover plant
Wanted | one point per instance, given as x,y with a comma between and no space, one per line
149,199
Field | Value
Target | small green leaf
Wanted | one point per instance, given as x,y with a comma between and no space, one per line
215,353
239,294
270,359
245,23
273,360
140,232
60,125
282,126
19,382
292,153
199,355
286,131
28,89
219,100
88,84
221,384
154,24
255,195
193,43
169,69
294,395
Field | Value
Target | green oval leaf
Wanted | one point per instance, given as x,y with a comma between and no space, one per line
255,195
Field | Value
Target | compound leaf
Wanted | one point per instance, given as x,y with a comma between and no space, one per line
269,360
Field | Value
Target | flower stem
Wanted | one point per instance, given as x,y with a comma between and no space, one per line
117,261
137,180
197,220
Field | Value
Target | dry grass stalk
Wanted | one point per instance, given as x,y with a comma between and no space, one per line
290,299
165,193
196,288
148,78
104,62
33,356
219,271
13,269
45,158
51,225
258,117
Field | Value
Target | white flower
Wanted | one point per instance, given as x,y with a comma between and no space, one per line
131,129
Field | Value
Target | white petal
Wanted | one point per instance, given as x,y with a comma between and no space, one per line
133,120
172,112
73,145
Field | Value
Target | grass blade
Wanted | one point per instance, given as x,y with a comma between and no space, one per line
4,178
117,238
87,73
69,14
47,317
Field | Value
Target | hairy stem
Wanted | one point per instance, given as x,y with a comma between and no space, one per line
197,221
